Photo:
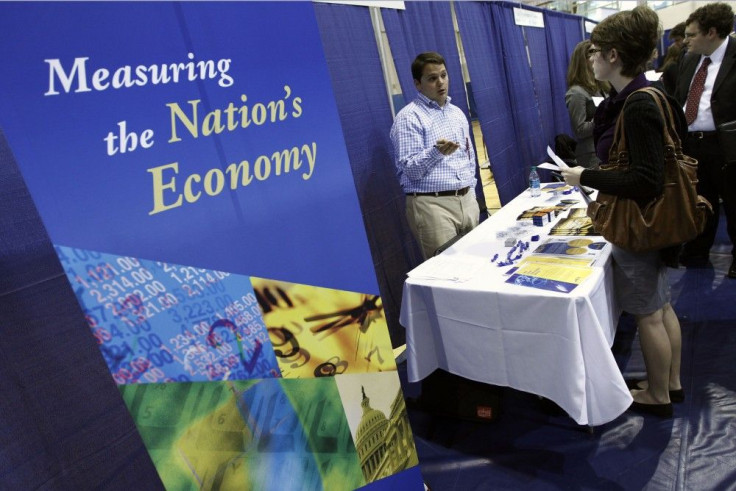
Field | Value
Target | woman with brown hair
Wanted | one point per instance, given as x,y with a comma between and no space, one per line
621,46
670,66
581,88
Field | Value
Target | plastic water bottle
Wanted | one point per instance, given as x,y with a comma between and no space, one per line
534,187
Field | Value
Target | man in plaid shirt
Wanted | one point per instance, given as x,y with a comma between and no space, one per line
435,160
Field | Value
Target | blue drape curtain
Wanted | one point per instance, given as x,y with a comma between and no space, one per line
63,423
526,108
424,26
363,105
563,33
485,59
536,39
524,104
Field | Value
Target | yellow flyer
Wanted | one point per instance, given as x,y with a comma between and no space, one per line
559,260
552,277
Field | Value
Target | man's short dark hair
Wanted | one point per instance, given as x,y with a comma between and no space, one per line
678,31
423,59
718,15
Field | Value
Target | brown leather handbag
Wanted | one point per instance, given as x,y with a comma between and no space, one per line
676,216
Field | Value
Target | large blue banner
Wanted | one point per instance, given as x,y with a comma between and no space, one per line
188,162
212,127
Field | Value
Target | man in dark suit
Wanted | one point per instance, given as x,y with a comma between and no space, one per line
708,73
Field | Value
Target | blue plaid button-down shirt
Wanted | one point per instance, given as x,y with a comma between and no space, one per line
420,166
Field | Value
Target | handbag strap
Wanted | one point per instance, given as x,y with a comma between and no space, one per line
670,133
665,109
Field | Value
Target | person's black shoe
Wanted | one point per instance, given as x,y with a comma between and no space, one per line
732,270
677,395
659,410
694,261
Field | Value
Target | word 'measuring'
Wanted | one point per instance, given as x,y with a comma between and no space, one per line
78,78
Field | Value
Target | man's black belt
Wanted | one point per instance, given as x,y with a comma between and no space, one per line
454,192
702,135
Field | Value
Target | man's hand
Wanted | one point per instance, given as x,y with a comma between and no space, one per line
446,147
572,175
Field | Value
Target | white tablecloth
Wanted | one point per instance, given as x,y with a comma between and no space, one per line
556,345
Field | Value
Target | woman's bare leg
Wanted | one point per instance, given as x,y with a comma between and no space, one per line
657,351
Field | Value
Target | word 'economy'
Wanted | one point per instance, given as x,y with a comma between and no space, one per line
170,190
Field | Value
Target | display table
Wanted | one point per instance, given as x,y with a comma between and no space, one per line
556,345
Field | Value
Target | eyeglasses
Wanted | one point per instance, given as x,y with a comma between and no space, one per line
592,51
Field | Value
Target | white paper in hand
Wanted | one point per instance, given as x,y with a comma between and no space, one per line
547,165
560,163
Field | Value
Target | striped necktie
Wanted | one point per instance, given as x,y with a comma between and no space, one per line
696,90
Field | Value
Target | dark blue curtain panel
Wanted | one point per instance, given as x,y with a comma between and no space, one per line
563,32
424,26
365,116
64,423
484,55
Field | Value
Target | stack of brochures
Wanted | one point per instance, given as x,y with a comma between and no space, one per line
580,252
575,223
554,210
